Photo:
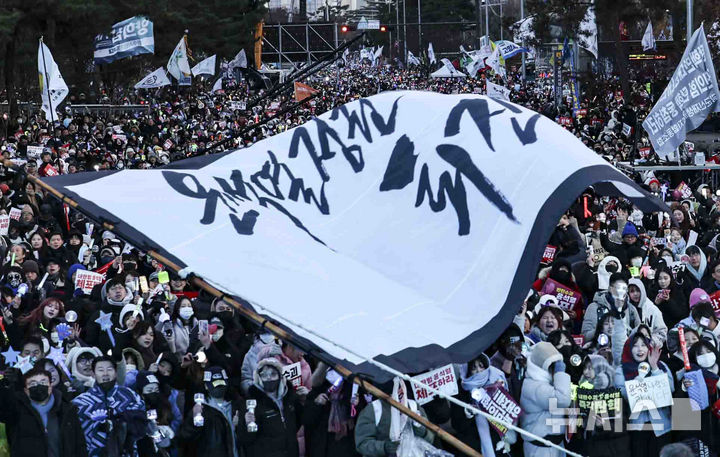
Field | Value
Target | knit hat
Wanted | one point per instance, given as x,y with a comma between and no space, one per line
698,296
30,266
73,268
215,376
630,230
544,354
143,379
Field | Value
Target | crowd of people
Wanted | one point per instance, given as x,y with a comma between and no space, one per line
141,363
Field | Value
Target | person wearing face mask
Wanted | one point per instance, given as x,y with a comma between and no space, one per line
251,359
278,414
38,421
162,430
630,238
615,303
704,357
510,358
183,322
561,271
573,354
649,314
473,429
668,296
216,437
649,432
592,277
113,417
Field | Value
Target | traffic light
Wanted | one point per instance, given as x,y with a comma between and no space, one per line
383,28
344,28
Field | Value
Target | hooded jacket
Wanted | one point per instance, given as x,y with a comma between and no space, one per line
278,418
71,362
603,304
539,388
94,336
650,314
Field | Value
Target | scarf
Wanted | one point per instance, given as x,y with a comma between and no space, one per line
698,274
43,410
397,419
485,378
339,421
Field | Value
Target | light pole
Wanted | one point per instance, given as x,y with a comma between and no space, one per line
404,34
419,29
689,19
522,21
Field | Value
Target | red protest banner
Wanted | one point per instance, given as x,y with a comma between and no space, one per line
567,298
549,254
497,402
566,121
644,152
715,301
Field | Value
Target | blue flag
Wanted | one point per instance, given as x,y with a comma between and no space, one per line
128,38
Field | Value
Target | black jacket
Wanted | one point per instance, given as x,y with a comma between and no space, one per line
213,439
26,433
277,432
319,442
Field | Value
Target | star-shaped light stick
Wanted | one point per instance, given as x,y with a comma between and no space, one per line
10,356
58,358
106,324
663,190
24,364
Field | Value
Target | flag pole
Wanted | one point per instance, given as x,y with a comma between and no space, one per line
46,82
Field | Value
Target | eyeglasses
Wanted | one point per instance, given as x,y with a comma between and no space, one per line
84,361
38,383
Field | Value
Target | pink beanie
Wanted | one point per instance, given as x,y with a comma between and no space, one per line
698,296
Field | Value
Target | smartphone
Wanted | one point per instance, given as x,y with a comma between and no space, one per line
144,284
203,327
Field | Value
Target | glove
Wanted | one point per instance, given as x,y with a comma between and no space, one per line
503,447
559,367
391,447
469,413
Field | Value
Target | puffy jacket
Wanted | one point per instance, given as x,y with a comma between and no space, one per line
214,438
370,436
650,314
277,428
622,327
537,391
26,432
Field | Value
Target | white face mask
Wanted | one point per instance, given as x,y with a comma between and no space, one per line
186,312
706,360
217,335
619,291
668,260
636,262
130,367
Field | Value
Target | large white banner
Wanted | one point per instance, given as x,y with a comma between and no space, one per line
405,220
157,78
206,67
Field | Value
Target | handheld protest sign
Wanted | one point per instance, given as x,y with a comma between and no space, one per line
163,277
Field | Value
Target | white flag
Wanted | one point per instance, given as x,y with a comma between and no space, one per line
494,62
477,63
496,91
377,55
431,54
346,55
648,40
240,60
52,85
206,67
412,60
218,85
178,65
589,40
157,78
462,49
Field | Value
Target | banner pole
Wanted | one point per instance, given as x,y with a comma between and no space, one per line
282,333
46,83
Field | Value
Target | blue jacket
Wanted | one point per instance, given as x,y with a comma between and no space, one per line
660,418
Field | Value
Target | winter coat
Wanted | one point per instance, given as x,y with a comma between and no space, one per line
675,308
650,315
663,422
538,390
214,438
26,432
603,304
277,429
371,435
319,441
124,406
